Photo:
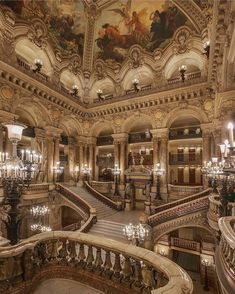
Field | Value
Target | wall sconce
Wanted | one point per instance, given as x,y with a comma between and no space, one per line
135,83
38,63
75,90
100,94
182,70
162,252
206,47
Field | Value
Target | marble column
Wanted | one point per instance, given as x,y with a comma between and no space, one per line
123,151
71,158
50,157
205,146
8,144
164,164
218,141
1,139
155,140
91,160
56,150
41,149
116,144
81,158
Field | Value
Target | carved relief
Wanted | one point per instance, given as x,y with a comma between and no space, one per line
181,41
75,65
100,69
38,33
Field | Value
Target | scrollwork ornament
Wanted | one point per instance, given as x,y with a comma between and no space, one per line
75,65
100,69
181,40
135,56
38,34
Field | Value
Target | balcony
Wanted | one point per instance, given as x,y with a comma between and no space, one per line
140,137
185,133
185,159
104,140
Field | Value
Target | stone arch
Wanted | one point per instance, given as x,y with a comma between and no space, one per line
193,111
36,111
71,126
129,122
98,127
156,237
106,85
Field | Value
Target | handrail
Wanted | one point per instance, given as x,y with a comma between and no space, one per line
225,254
182,201
81,203
117,261
107,201
178,211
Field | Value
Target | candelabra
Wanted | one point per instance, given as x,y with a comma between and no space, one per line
116,172
40,213
15,172
158,172
100,94
75,90
182,70
206,47
206,263
57,171
135,83
38,63
86,171
135,234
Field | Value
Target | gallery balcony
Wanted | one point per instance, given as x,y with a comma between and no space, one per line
185,133
185,159
140,137
104,140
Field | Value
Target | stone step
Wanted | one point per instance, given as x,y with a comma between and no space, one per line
115,230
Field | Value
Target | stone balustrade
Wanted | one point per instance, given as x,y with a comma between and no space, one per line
111,265
213,214
185,244
179,208
225,254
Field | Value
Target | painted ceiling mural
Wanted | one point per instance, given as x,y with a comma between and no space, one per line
150,24
65,20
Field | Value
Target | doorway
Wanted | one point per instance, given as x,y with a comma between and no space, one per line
192,176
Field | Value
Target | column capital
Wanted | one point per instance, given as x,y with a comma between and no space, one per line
159,134
7,116
71,141
40,133
207,129
120,138
53,131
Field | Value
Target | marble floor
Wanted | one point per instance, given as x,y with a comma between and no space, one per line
63,286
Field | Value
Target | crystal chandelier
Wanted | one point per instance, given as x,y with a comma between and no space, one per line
40,213
135,233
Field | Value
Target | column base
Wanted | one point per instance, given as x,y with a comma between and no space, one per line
147,207
128,205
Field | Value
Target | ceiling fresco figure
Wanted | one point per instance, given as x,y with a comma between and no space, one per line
65,21
126,23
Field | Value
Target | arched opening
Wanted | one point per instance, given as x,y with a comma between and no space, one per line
70,219
189,247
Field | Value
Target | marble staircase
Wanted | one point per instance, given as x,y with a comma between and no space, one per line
108,229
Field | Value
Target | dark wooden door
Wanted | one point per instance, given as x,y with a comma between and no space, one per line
180,176
192,176
180,155
192,155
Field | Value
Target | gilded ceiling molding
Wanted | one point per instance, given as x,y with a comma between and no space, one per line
193,12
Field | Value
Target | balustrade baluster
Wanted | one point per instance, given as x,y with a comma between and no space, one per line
90,258
117,267
148,279
232,263
98,260
230,254
127,270
226,250
63,253
107,264
54,251
72,251
137,274
82,256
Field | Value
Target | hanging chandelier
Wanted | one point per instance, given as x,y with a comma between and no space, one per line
40,213
138,232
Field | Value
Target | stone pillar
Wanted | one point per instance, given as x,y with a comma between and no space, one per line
41,149
155,141
56,150
91,160
116,152
71,158
96,176
1,139
218,141
164,165
123,151
205,146
81,158
50,157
